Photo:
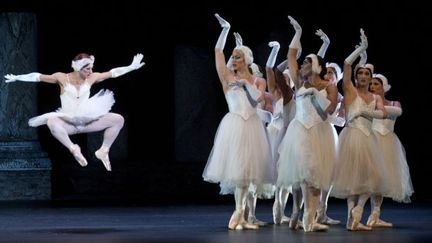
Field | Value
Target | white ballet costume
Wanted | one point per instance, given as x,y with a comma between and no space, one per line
241,155
307,151
360,166
307,155
399,185
77,107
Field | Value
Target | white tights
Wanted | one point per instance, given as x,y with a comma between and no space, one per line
112,123
311,197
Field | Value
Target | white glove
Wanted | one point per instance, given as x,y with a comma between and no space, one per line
378,114
321,100
363,58
356,53
31,77
239,42
238,38
273,54
283,65
220,44
295,42
304,92
393,111
364,41
254,92
326,42
136,64
264,115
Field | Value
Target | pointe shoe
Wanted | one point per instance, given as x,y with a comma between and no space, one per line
327,220
76,152
245,225
356,214
383,224
285,219
375,221
255,221
237,222
323,218
234,220
102,154
316,227
361,227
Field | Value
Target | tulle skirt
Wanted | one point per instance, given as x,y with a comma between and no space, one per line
241,156
307,155
360,166
398,184
87,111
275,137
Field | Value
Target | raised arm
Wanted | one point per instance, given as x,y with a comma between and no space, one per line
294,47
119,71
348,86
363,58
271,82
239,42
326,42
221,67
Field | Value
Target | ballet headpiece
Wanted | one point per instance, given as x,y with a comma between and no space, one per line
366,65
337,69
79,64
386,85
316,68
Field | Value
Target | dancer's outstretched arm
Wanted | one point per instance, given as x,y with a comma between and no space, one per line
116,72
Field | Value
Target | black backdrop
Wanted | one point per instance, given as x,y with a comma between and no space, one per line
174,103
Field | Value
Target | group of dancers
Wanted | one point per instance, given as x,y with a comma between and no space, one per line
279,137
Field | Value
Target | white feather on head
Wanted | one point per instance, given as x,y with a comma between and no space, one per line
287,73
316,68
79,64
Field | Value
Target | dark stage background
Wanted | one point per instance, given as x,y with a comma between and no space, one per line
174,104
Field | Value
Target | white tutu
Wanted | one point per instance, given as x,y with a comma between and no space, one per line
241,156
307,155
79,112
399,186
360,167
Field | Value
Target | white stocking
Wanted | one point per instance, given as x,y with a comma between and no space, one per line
376,202
61,130
311,202
112,123
297,201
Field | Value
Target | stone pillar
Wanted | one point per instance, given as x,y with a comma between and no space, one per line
25,170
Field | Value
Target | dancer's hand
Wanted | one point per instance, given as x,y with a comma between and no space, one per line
238,38
223,22
323,36
136,62
10,78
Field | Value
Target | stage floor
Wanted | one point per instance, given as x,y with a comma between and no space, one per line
43,222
